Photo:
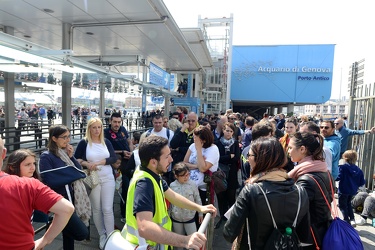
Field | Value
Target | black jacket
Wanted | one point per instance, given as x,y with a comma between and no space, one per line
319,212
283,198
180,144
231,162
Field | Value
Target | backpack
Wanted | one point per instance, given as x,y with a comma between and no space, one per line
287,238
148,133
340,234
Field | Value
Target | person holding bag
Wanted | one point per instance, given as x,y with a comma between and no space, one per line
307,150
229,156
62,173
96,153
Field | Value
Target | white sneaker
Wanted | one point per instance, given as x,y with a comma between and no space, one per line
352,222
102,240
361,221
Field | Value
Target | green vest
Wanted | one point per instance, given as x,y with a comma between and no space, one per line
161,217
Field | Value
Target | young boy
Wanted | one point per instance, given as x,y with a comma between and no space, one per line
351,178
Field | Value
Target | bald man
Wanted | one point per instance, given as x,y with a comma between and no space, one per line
344,133
183,137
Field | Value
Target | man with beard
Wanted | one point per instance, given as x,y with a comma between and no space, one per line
332,141
147,219
122,144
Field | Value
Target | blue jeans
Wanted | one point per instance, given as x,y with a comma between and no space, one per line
346,207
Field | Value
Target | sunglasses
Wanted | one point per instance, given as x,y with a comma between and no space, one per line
324,127
336,123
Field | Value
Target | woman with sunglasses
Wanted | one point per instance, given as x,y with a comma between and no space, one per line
229,157
306,149
51,163
250,212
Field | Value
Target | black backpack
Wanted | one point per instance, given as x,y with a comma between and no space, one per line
283,239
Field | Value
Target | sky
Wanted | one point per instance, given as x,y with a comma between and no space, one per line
347,24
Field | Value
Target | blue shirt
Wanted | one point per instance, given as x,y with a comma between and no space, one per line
343,133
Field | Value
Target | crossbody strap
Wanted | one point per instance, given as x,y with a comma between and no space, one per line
334,211
269,207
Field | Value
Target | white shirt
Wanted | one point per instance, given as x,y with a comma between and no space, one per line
163,133
97,152
211,155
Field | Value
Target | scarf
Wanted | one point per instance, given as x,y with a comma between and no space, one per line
81,200
275,174
226,143
307,165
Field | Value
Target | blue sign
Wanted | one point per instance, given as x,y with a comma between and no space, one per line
171,84
158,76
282,73
190,85
192,102
157,99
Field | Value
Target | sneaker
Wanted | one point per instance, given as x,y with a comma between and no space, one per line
352,222
102,240
361,221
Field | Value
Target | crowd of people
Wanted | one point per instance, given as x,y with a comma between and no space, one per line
178,161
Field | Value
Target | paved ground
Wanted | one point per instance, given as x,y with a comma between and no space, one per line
367,233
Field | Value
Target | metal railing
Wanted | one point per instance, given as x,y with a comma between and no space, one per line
33,133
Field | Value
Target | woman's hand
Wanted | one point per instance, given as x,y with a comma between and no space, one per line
69,150
198,143
92,166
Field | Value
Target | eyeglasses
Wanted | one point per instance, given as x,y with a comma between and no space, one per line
324,127
190,121
65,137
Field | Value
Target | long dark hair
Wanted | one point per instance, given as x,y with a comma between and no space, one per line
312,142
14,161
55,131
268,154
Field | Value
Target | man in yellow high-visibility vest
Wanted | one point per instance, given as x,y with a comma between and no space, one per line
147,220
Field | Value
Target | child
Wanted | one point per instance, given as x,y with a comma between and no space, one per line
183,219
351,178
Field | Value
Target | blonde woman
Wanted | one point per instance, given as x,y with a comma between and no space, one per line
96,153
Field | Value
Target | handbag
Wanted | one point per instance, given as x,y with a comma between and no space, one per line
220,181
225,168
92,178
340,234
